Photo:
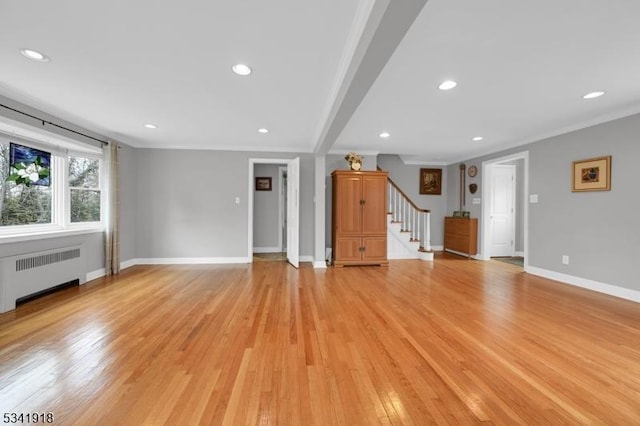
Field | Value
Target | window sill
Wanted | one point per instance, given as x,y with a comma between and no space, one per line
41,235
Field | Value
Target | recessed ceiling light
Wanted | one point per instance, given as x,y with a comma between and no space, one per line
447,85
385,135
150,126
241,69
477,138
593,95
34,55
263,130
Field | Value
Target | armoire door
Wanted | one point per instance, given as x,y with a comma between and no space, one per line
349,213
374,212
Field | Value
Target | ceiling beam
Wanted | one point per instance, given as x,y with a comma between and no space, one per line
386,25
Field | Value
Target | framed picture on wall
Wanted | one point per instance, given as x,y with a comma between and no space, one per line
431,181
593,174
263,184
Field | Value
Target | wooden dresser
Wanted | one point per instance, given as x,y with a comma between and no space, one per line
359,232
461,235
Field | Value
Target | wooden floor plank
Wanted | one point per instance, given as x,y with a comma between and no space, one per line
455,341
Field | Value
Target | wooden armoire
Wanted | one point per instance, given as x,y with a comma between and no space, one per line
359,232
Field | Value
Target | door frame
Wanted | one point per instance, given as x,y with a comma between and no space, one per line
250,194
281,208
485,220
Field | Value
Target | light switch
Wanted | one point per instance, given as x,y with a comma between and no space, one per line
476,201
533,198
237,200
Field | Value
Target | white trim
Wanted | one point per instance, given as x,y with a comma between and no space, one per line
282,170
519,254
96,274
192,260
48,234
267,249
361,153
437,248
231,148
129,263
416,160
612,290
473,256
99,273
320,265
307,259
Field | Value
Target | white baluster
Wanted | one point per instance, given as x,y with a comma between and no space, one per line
414,225
421,229
428,232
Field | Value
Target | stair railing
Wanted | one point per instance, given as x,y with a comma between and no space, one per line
412,218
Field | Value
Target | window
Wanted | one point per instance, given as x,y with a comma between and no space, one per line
84,189
72,201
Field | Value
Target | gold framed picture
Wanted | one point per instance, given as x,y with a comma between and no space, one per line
431,181
593,174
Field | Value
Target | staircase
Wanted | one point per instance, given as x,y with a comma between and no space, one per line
408,227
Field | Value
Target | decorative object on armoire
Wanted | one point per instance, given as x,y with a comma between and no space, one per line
431,181
473,187
263,184
354,160
593,174
462,185
359,218
473,171
461,235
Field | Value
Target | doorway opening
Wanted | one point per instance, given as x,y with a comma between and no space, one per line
505,183
273,211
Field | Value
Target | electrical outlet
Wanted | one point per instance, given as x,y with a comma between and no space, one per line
565,259
237,200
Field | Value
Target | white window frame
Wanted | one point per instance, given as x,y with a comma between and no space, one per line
101,187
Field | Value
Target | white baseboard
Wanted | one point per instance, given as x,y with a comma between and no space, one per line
99,273
519,254
192,260
473,256
267,249
128,263
320,265
306,259
612,290
96,274
437,248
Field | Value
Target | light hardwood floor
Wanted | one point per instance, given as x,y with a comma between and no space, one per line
451,342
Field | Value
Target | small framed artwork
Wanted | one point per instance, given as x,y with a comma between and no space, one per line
431,181
593,174
263,184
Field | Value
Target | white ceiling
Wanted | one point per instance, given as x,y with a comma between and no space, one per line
328,75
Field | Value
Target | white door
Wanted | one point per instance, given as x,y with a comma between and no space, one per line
293,211
502,212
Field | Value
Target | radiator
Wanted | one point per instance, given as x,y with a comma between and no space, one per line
31,273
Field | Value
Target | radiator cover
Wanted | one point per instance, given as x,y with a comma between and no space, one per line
31,273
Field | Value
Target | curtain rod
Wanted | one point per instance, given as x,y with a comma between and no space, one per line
54,124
